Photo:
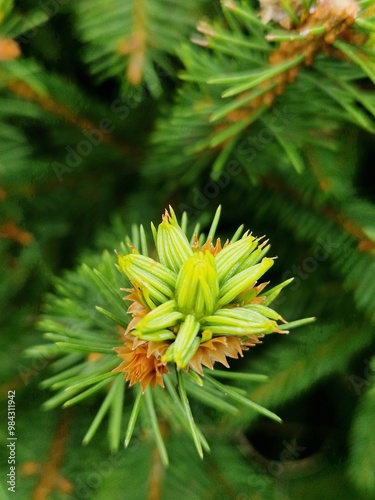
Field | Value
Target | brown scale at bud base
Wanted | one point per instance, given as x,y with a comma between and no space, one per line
142,360
219,349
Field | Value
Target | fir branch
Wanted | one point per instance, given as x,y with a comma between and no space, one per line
309,221
136,44
341,220
158,333
301,372
135,38
51,105
253,89
365,244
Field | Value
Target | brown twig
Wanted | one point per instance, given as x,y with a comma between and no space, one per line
49,104
11,231
157,471
50,478
349,226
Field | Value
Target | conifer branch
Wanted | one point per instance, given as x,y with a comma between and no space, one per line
136,45
49,104
135,38
238,90
331,356
365,244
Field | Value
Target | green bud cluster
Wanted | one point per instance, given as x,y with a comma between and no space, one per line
193,294
197,285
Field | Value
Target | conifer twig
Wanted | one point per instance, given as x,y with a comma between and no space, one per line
136,44
51,105
50,478
156,472
365,244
